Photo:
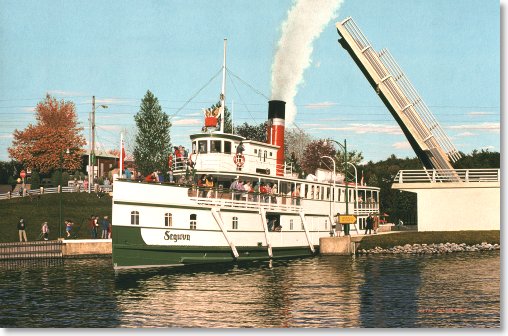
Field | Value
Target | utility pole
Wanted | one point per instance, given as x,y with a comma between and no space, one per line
91,156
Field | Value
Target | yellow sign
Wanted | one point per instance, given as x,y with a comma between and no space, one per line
347,219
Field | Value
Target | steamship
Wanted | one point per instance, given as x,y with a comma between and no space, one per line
171,224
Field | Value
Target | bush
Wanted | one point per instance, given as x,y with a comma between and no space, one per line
35,181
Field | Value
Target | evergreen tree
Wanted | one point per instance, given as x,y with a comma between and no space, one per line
153,142
35,181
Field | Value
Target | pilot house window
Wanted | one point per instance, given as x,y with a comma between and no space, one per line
235,223
202,146
215,146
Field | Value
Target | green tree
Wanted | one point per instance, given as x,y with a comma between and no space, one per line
35,181
478,159
153,142
252,132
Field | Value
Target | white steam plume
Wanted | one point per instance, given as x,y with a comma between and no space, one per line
306,20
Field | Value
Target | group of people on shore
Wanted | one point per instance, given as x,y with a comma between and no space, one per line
100,228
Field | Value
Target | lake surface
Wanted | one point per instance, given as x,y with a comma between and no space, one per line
453,290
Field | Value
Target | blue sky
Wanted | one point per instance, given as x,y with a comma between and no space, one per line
118,50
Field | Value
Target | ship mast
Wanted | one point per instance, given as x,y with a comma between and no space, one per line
223,89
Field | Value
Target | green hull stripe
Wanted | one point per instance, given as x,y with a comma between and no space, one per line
129,250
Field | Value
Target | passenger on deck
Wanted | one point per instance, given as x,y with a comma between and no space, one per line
209,185
151,177
201,186
274,192
233,187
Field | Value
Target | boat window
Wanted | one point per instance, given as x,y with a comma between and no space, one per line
326,224
202,146
235,223
227,147
193,221
215,146
194,147
168,219
291,224
271,153
134,217
259,155
264,156
255,151
317,195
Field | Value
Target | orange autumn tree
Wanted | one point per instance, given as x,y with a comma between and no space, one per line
43,146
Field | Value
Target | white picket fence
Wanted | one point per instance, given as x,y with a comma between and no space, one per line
54,190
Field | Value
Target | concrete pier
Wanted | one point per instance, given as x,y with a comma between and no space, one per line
56,249
86,247
335,245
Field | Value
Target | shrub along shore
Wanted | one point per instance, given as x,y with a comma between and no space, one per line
430,242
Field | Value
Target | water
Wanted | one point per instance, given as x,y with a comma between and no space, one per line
454,290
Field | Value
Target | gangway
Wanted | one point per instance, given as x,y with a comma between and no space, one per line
427,138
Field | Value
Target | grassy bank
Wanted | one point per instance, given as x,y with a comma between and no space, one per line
402,238
75,206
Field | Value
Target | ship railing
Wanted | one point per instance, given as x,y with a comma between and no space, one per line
444,176
246,200
365,208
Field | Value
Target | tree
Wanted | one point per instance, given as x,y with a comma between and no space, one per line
353,157
153,142
478,159
35,181
312,155
42,146
252,132
295,142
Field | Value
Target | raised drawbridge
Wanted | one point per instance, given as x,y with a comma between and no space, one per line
427,138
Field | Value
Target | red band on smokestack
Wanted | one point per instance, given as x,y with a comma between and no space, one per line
275,130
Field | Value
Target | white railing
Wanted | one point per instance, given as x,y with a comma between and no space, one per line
448,175
53,190
228,199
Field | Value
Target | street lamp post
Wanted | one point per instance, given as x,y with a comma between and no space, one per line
91,154
332,194
344,147
60,191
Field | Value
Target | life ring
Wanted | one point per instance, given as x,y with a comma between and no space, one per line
239,160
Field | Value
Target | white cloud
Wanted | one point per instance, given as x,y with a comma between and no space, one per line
402,145
466,134
366,128
64,93
486,126
7,136
480,113
318,106
28,109
489,148
187,122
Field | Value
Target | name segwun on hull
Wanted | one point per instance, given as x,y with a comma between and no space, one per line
230,200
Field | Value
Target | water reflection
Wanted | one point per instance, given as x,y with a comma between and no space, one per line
456,290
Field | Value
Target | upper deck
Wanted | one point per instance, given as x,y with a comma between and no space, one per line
217,152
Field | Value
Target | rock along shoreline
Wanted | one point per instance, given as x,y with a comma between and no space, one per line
430,248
